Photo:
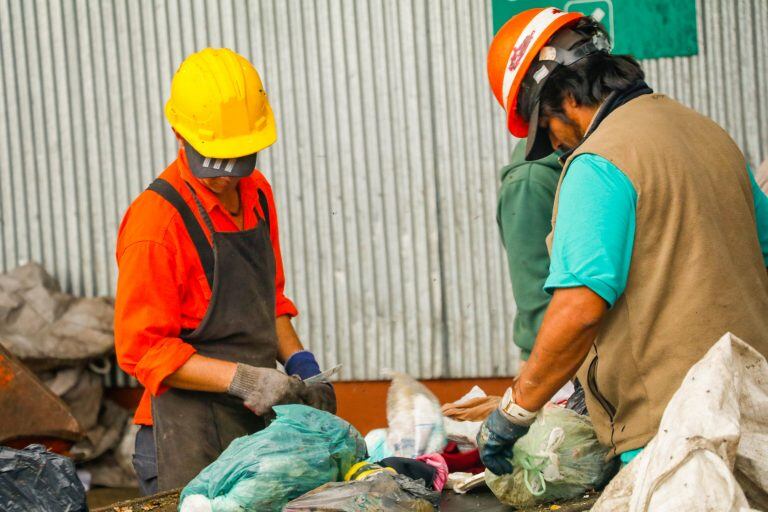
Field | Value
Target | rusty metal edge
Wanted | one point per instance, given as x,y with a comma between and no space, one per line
144,502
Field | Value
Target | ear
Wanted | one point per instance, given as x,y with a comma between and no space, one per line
179,138
571,108
569,102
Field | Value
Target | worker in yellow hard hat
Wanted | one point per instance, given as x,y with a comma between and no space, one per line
200,317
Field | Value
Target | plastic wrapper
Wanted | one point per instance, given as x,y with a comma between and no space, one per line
301,450
35,479
464,433
559,458
577,402
415,419
376,441
382,492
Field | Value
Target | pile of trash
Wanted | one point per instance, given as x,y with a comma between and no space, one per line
67,342
302,449
55,349
308,459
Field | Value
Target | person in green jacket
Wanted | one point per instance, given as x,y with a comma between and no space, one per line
524,215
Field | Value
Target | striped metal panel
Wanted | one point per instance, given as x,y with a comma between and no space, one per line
385,172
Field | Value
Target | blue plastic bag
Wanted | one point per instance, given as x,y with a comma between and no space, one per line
376,441
301,450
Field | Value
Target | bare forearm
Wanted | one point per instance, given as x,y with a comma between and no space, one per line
202,373
570,325
288,342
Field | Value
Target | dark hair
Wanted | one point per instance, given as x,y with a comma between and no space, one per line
590,80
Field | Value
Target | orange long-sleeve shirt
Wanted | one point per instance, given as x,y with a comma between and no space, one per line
161,286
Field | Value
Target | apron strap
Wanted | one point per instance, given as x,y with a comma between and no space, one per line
201,210
264,208
204,249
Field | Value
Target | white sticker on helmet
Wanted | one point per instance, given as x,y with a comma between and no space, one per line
548,53
540,74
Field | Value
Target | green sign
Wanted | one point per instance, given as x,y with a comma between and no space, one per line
647,29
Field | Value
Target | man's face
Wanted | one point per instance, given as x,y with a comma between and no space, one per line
564,133
220,185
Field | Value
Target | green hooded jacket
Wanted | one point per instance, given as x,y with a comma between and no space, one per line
524,214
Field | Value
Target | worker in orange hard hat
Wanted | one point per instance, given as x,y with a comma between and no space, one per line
201,317
657,222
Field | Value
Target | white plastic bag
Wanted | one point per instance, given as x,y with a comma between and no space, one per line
712,443
414,416
464,433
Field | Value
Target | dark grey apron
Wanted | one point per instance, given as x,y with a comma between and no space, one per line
192,428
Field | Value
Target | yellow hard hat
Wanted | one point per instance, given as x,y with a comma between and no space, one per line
219,106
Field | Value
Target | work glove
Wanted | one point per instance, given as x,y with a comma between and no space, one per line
262,388
499,433
474,409
320,395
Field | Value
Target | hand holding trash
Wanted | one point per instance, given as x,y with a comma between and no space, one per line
320,395
318,391
262,388
495,441
499,433
473,409
559,458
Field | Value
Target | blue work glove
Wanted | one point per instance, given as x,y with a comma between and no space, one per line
495,440
303,364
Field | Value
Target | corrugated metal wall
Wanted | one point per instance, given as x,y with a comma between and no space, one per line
384,172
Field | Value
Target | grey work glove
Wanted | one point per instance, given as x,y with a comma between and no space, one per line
320,395
261,388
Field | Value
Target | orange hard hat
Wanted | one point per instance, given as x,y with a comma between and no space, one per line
512,51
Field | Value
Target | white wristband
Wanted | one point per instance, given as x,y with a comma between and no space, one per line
513,412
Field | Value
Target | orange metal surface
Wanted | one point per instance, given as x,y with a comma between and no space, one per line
29,408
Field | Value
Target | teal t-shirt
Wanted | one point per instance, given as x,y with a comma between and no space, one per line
595,232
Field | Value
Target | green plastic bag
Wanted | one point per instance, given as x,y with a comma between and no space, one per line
559,458
302,449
